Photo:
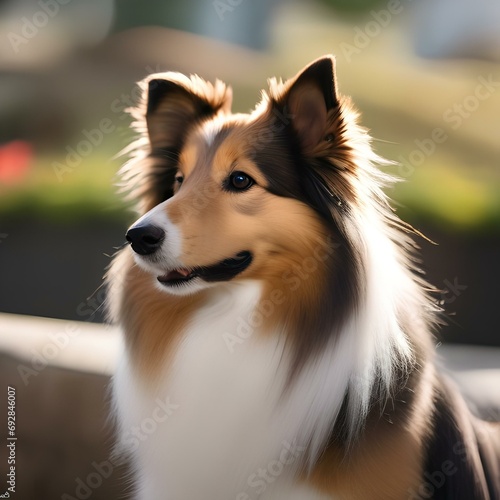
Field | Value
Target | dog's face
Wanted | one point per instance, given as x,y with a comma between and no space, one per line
230,197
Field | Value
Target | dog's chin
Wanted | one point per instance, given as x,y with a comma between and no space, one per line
184,281
182,288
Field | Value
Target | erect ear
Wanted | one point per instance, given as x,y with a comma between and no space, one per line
306,100
175,102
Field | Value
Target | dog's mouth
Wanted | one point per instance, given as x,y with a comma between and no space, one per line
224,270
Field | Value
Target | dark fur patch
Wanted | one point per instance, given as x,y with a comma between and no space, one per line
453,470
311,177
161,177
159,89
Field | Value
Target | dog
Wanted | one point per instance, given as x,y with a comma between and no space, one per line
278,337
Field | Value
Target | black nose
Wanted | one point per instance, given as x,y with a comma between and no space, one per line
146,239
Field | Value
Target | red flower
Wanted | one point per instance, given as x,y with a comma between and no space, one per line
15,160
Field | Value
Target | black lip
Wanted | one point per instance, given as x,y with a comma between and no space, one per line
224,270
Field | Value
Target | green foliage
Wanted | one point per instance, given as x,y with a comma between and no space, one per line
85,192
435,193
439,195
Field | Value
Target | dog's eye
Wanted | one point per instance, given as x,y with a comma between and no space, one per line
178,180
239,181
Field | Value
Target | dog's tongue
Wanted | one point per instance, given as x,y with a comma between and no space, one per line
177,274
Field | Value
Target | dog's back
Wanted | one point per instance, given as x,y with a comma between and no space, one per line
463,452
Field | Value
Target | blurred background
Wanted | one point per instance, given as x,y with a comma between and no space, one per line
425,76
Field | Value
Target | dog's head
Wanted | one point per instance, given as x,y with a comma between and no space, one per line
232,196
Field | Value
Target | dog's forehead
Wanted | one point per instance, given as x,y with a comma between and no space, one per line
242,142
215,145
214,131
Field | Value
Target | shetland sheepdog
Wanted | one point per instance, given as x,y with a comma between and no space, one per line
278,337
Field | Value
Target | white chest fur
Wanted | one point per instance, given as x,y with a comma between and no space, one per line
212,428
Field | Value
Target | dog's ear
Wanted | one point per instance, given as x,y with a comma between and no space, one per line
175,102
306,99
171,105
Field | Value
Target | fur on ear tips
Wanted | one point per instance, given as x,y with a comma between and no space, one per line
162,86
307,98
174,101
